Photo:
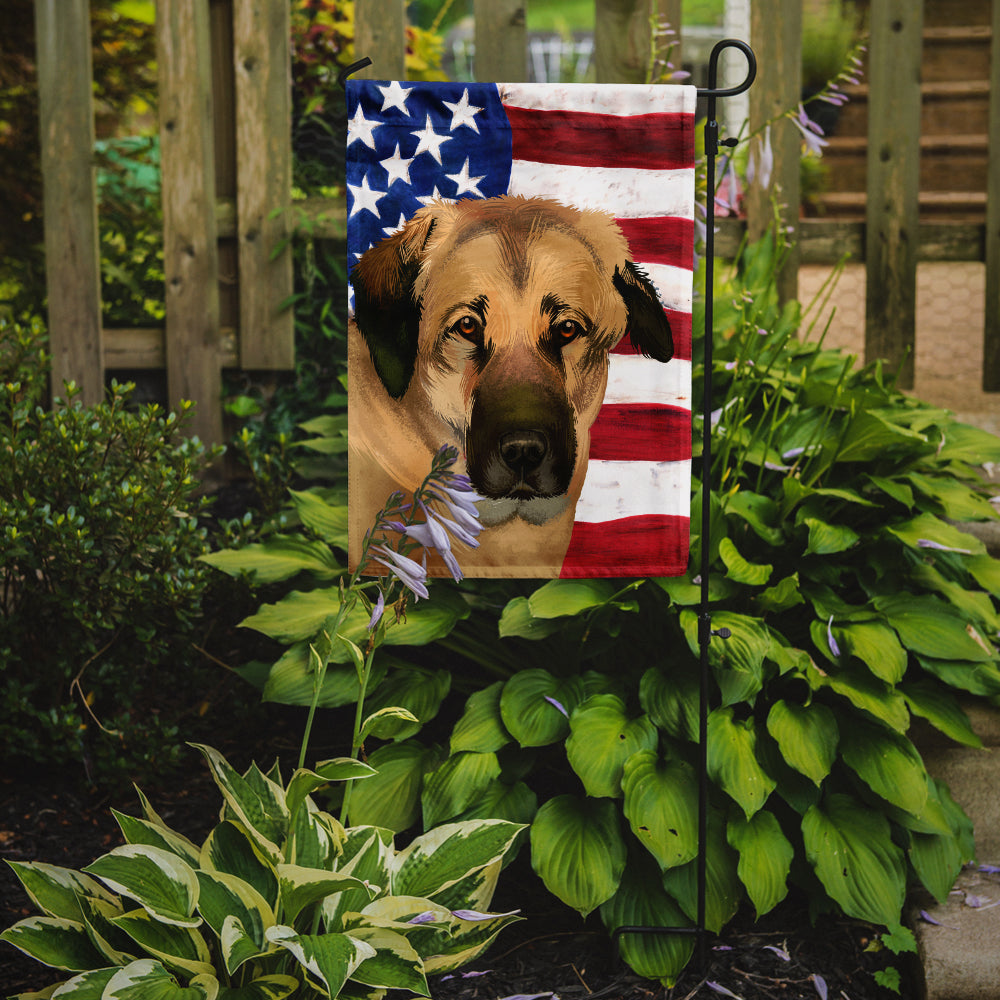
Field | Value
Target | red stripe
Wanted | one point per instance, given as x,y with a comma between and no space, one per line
585,139
660,240
649,545
680,330
643,432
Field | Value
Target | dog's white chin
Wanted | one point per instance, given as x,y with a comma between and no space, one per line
536,510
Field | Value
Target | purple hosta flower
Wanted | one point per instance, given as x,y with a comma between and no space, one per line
475,915
811,132
412,575
719,988
820,983
557,704
427,917
780,952
989,869
834,648
727,198
377,611
927,543
761,163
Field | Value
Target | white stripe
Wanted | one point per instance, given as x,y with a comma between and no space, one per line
631,489
605,99
635,379
673,284
627,193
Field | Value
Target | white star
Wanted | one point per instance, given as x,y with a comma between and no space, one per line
465,183
429,142
360,128
364,197
395,229
397,168
436,196
395,97
463,113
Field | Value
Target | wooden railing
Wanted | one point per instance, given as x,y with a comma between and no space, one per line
226,160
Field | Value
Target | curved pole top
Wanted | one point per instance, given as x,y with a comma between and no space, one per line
713,69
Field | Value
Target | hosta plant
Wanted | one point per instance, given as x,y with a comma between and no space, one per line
279,900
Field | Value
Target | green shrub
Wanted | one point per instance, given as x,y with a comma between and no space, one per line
101,584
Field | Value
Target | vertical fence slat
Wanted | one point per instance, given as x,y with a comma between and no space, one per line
501,41
261,57
776,35
380,34
621,40
72,257
893,183
991,333
190,253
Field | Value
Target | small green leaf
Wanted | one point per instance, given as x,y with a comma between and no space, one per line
932,628
807,736
671,699
535,706
928,528
828,539
279,558
936,704
888,763
456,784
327,520
765,858
739,569
561,598
481,727
391,798
732,760
517,620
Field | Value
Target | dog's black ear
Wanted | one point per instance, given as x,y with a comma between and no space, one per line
385,310
647,323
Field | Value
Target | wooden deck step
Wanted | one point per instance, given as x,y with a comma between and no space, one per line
958,206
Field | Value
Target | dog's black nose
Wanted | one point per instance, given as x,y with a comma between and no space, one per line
523,451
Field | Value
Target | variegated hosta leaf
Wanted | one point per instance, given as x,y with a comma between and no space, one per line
256,801
147,979
475,891
807,736
54,941
732,760
481,727
304,782
315,838
850,847
367,853
225,897
456,784
56,891
177,947
395,964
441,857
116,946
87,986
578,851
328,959
300,887
141,831
661,800
765,858
230,849
275,987
602,737
158,880
468,939
642,902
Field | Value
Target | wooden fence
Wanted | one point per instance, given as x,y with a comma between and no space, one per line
226,160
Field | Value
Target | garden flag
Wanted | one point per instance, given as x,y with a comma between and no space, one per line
520,262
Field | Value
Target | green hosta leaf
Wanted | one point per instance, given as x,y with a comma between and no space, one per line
456,784
783,595
765,858
976,678
275,987
304,782
98,916
957,501
941,709
147,979
807,736
417,690
560,598
180,948
738,569
894,489
760,512
641,901
975,605
870,435
602,738
391,798
888,763
738,661
661,799
931,628
56,891
141,831
723,889
671,700
965,443
387,723
395,964
481,728
937,859
279,558
54,941
578,851
850,848
225,897
927,528
301,887
828,539
876,646
438,859
986,571
330,959
732,760
865,692
292,681
327,520
159,881
260,809
516,803
230,849
684,593
517,620
535,706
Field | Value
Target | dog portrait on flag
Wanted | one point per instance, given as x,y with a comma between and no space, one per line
520,265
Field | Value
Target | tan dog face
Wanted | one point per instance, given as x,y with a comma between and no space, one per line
495,318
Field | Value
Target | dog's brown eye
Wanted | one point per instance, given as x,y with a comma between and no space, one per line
568,330
469,327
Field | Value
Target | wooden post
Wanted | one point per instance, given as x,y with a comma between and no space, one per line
893,183
991,333
776,35
380,34
501,41
72,255
262,60
190,253
622,40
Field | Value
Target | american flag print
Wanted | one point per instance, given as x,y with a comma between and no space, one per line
624,150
